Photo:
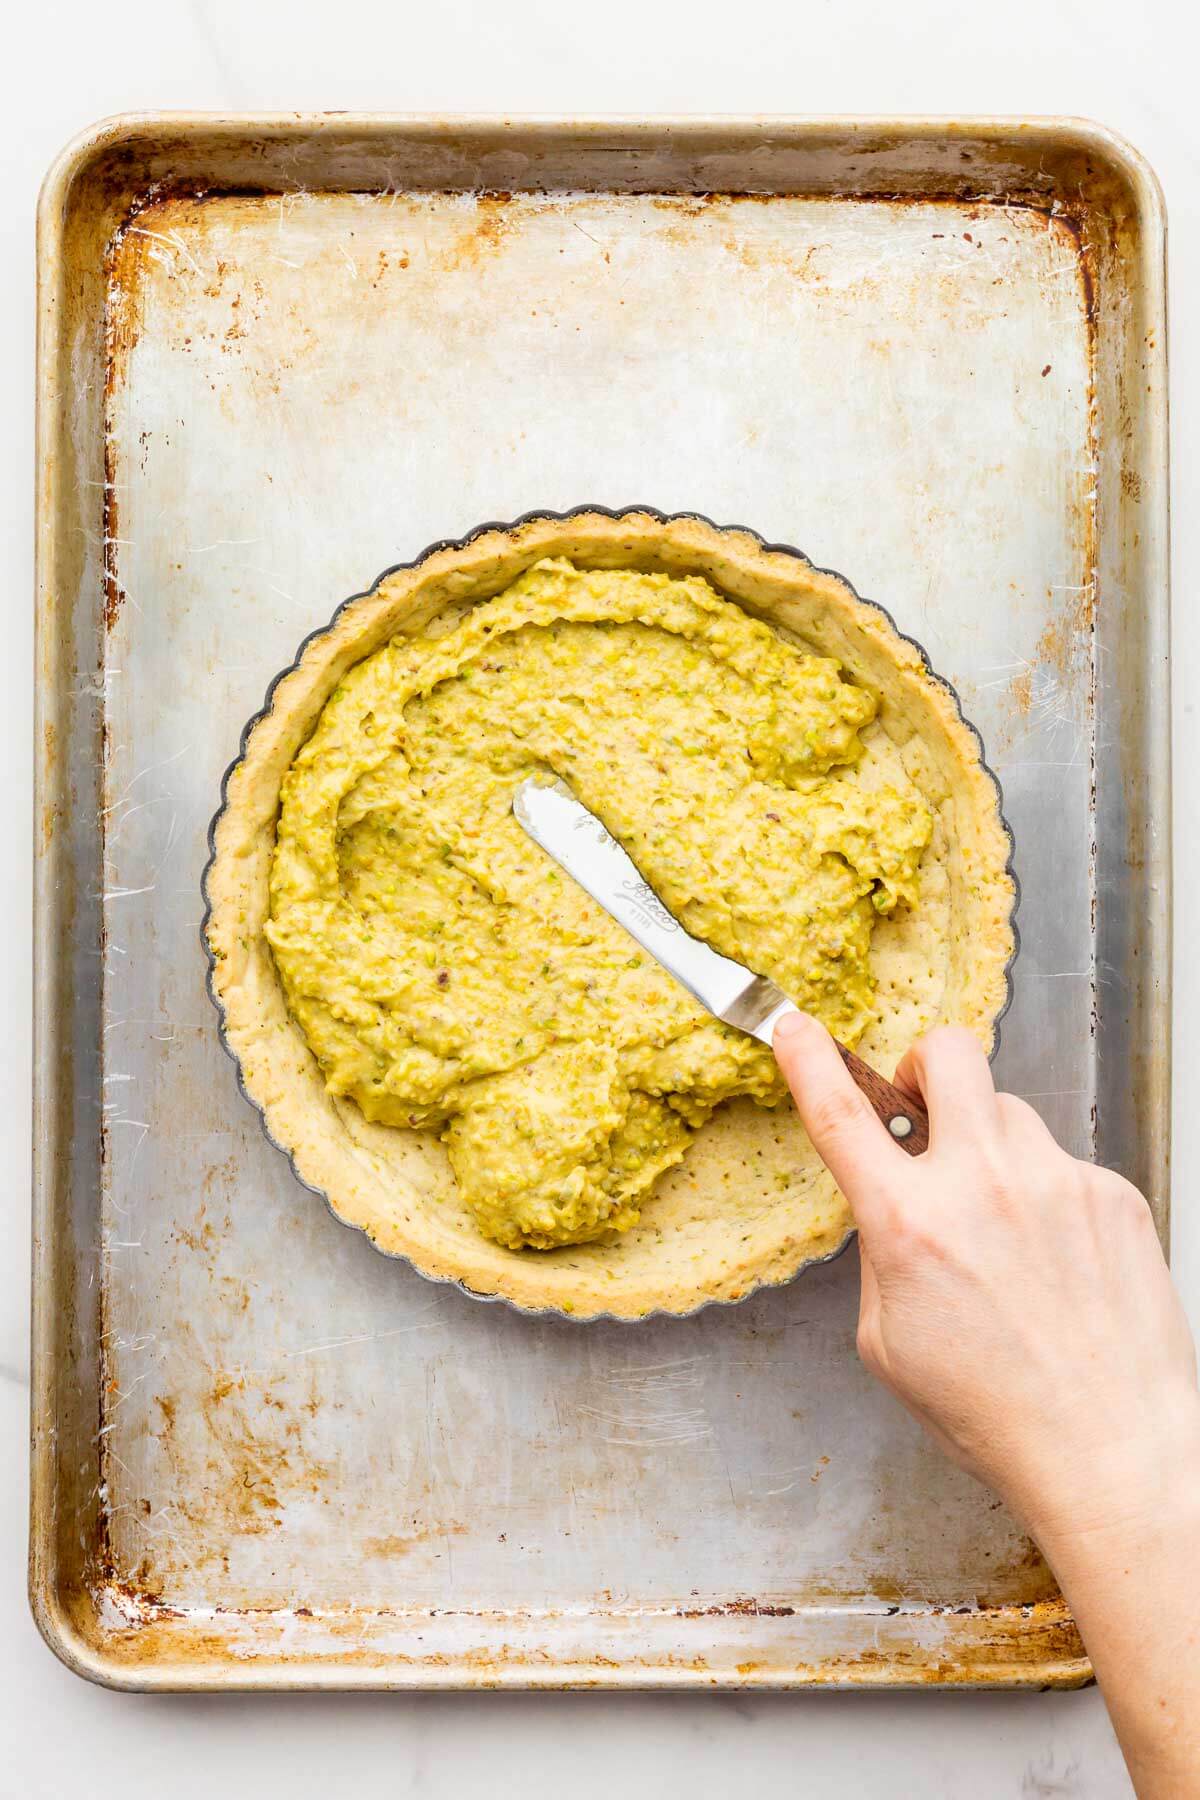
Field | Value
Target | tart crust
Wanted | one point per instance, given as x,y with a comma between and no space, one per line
751,1204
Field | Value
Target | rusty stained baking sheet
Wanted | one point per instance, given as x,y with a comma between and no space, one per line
277,355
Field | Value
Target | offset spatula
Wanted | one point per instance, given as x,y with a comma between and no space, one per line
588,852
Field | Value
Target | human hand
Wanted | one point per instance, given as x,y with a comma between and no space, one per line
1014,1299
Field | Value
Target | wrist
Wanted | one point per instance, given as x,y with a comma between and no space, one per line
1122,1494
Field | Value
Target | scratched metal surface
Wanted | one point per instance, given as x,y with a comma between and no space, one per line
311,1465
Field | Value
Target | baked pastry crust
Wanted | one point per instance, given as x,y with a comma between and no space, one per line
751,1204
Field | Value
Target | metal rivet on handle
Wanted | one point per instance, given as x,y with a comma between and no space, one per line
900,1126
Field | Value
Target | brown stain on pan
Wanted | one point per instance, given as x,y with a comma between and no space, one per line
742,1608
251,1441
124,267
1064,638
494,217
52,810
400,1544
1021,688
1008,1646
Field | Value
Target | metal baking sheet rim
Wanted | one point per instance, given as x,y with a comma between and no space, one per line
462,543
503,1668
56,1607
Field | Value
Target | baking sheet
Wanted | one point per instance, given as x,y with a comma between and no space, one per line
277,356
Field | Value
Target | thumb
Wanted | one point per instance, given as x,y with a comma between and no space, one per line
848,1137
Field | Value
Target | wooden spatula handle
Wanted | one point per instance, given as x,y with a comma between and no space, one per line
906,1119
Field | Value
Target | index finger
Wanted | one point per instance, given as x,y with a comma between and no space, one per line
948,1069
857,1150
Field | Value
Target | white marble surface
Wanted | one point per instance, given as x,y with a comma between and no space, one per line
71,63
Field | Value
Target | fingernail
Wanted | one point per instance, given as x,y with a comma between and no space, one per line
791,1023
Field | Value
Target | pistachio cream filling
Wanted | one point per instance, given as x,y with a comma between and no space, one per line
449,977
